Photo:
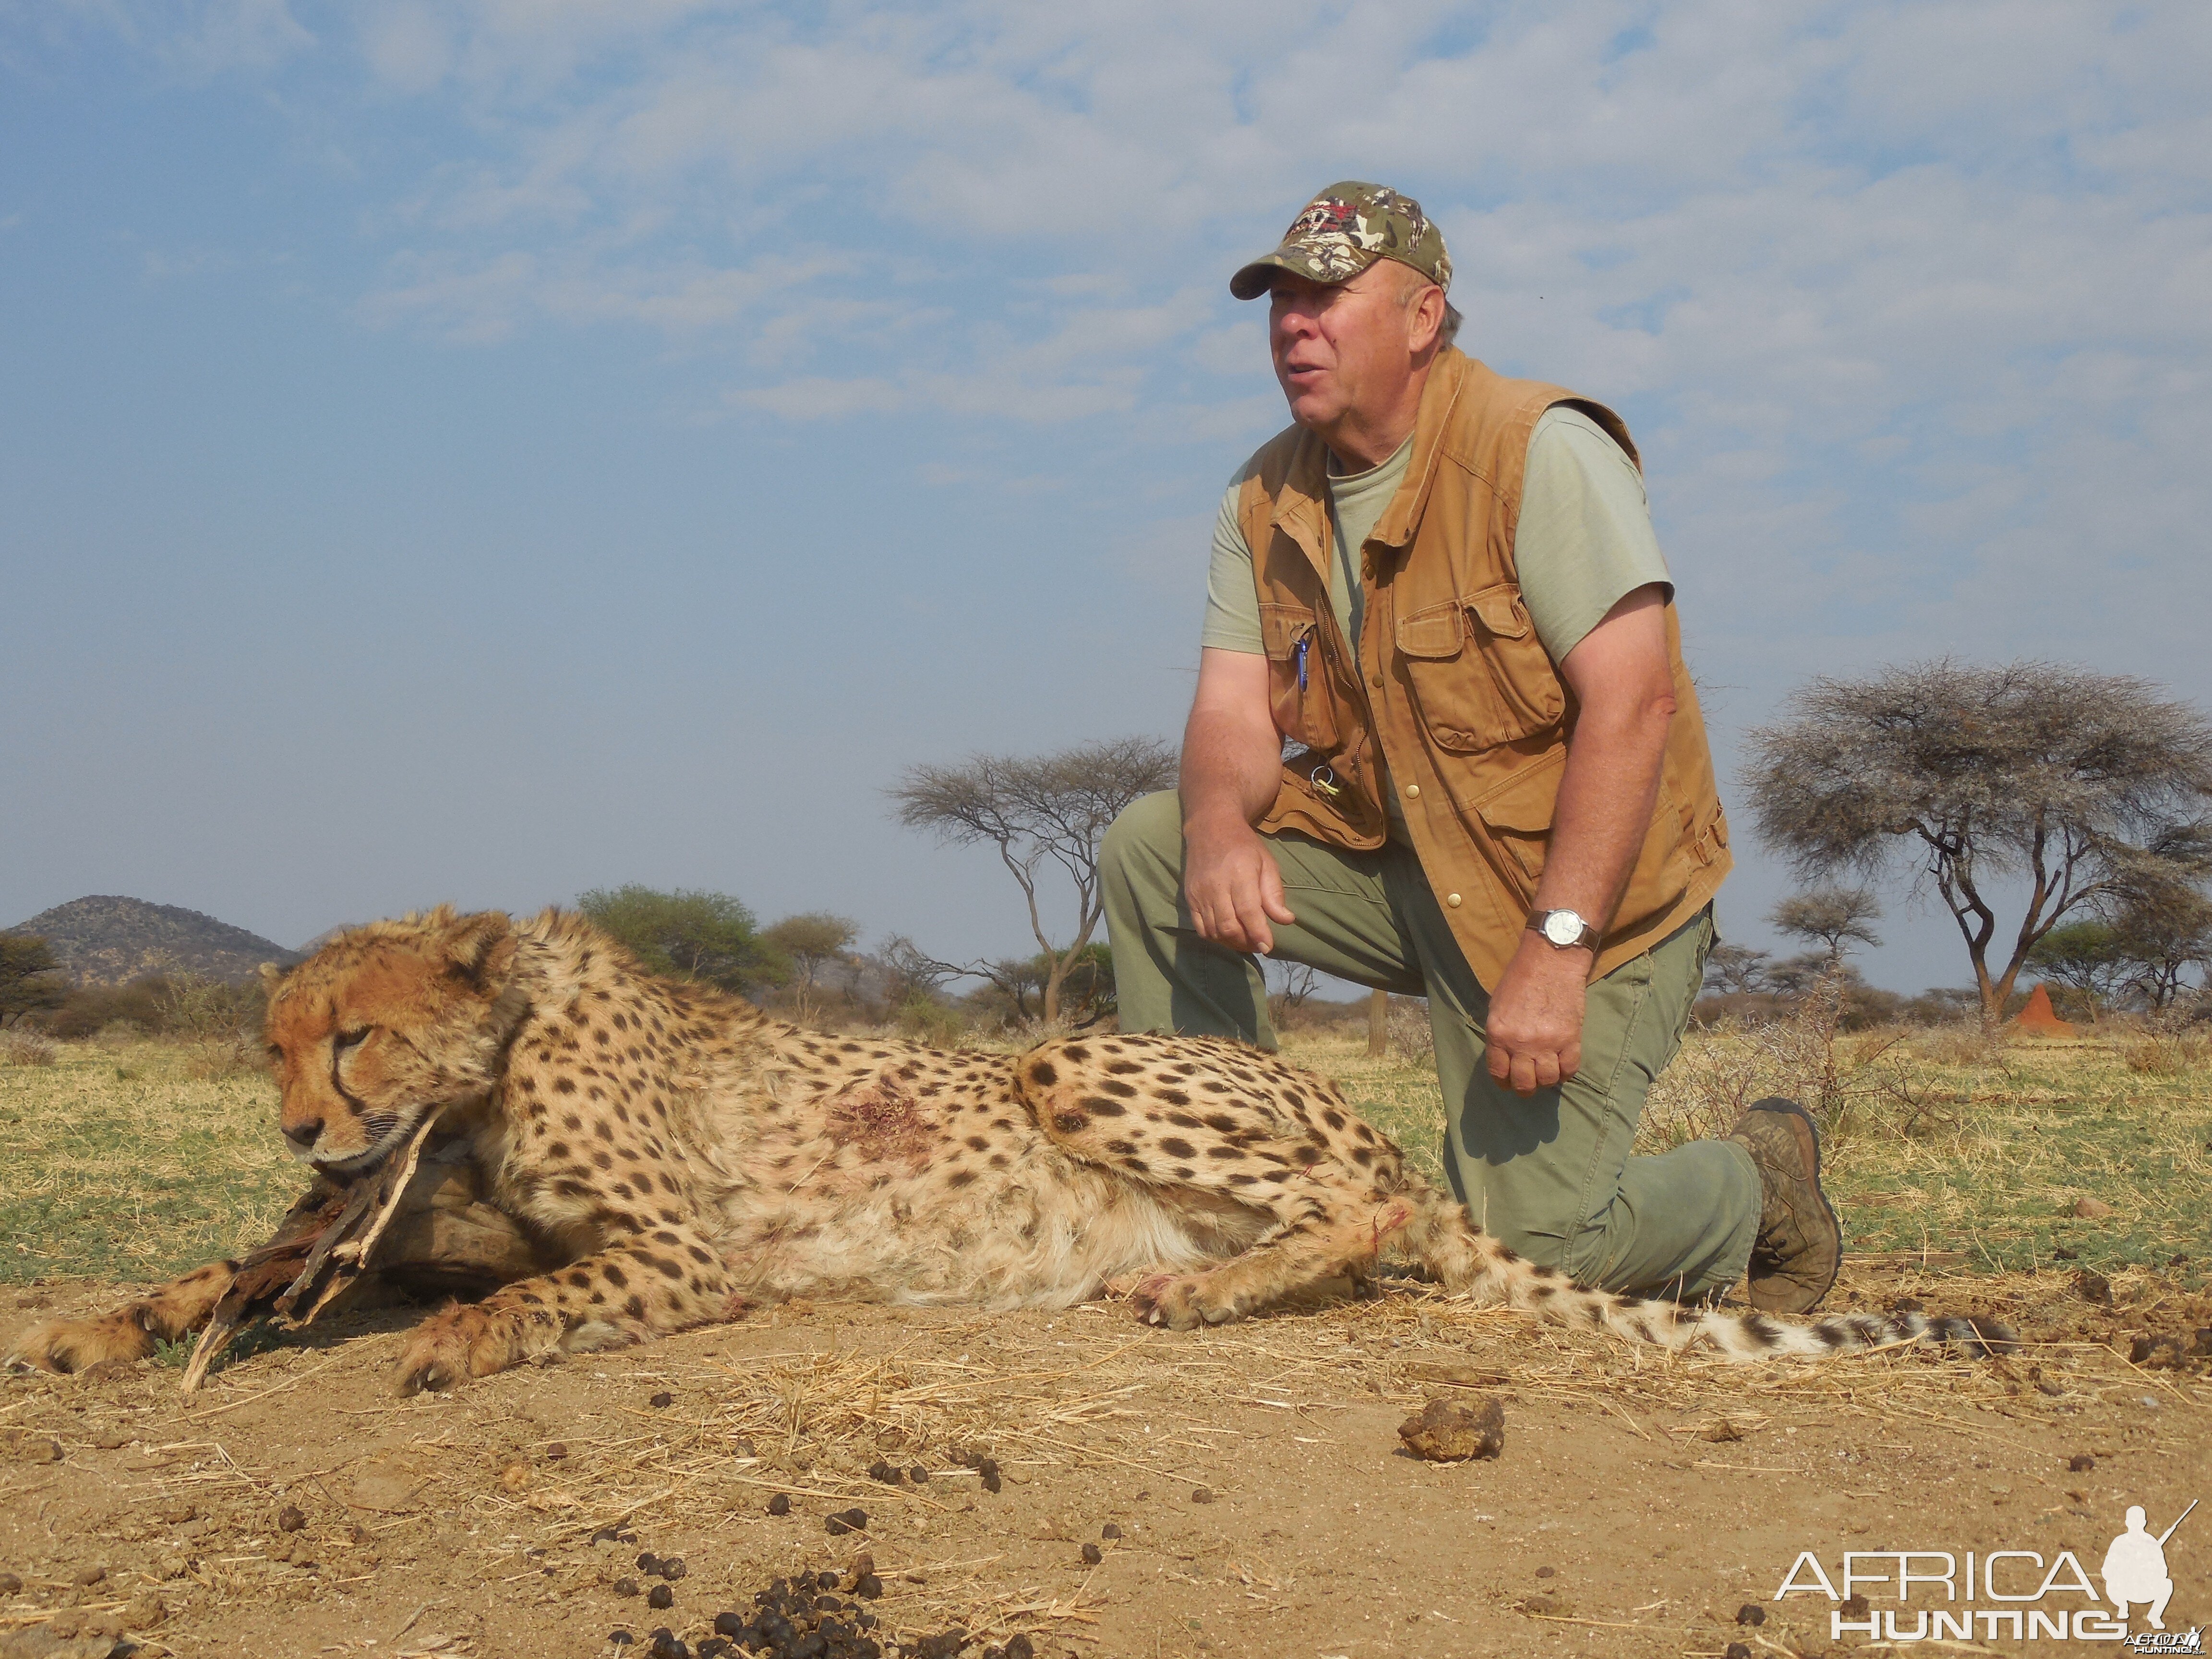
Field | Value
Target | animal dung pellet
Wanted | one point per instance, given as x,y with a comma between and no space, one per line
290,1518
88,1576
660,1596
1751,1613
1110,1530
1547,1572
625,1587
2080,1462
1092,1555
1446,1431
779,1504
880,1470
648,1563
918,1475
1202,1495
672,1568
845,1520
555,1452
870,1587
620,1638
662,1401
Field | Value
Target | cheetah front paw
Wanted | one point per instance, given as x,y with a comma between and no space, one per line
455,1346
68,1345
1179,1301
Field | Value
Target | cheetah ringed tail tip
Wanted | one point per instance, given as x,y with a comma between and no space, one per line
1470,1262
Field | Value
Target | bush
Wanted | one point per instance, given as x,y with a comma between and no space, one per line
1412,1039
27,1049
91,1008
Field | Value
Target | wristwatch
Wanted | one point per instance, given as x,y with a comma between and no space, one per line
1563,930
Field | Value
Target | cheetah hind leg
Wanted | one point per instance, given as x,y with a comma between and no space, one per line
1334,1241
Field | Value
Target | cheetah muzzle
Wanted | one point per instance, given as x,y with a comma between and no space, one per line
677,1153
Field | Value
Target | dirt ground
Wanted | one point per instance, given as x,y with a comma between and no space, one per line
1263,1503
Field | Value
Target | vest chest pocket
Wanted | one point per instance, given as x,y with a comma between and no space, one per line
1480,675
1299,693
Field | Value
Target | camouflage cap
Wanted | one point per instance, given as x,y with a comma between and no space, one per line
1345,229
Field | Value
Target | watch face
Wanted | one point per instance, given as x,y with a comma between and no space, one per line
1563,927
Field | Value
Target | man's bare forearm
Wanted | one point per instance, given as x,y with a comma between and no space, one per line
1605,796
1231,767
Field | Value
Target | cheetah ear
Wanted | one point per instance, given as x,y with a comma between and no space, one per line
271,977
480,948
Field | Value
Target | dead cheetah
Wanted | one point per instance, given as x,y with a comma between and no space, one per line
675,1153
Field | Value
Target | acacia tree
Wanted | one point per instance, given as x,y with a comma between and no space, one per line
1828,916
2086,788
1040,814
31,981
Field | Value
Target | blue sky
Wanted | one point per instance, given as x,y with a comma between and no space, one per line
483,451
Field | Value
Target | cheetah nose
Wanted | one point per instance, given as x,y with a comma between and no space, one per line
303,1135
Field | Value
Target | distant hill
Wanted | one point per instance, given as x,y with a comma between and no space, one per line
108,941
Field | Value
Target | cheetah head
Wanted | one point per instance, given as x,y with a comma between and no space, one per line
385,1023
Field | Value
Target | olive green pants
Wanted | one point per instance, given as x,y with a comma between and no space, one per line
1551,1175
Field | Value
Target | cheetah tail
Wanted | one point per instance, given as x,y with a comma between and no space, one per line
1471,1262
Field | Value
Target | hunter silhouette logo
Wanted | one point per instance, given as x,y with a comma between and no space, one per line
2135,1567
2034,1600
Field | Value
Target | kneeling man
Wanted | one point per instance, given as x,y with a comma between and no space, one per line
1441,586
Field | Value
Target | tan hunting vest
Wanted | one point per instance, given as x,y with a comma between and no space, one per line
1473,717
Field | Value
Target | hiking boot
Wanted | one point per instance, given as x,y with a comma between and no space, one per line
1800,1246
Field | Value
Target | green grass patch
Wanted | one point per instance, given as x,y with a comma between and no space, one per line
124,1163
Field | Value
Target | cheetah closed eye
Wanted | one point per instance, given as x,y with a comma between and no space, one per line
674,1152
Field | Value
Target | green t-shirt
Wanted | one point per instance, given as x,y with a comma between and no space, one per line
1583,542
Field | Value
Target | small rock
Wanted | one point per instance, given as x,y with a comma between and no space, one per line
175,1514
1092,1555
88,1576
662,1401
1547,1572
38,1449
1720,1431
144,1610
2089,1209
779,1504
1751,1613
111,1440
1446,1431
1540,1604
2094,1287
291,1518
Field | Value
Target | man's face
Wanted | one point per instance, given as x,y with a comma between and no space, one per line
1344,347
